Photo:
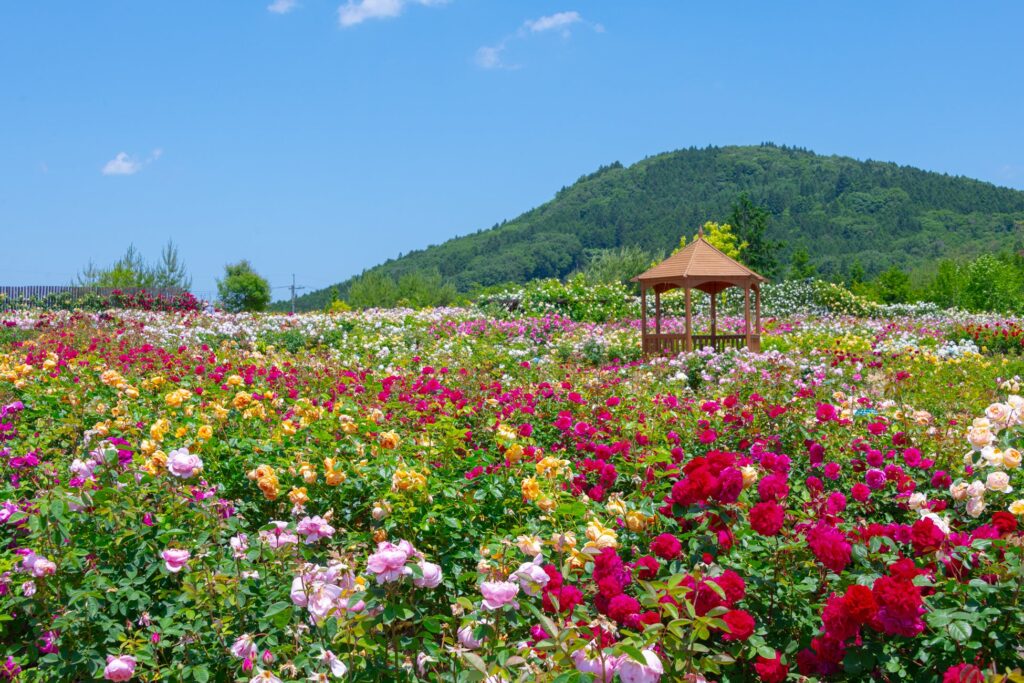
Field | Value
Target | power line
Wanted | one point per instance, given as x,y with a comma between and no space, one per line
294,288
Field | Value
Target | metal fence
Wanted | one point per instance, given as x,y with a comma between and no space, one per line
75,293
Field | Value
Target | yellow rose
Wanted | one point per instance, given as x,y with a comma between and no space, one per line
530,488
205,432
1011,458
241,400
1017,507
636,520
388,440
298,495
288,427
600,536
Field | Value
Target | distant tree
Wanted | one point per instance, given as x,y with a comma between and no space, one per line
131,270
800,266
420,290
946,286
373,289
893,286
856,274
608,266
243,289
171,271
720,236
751,225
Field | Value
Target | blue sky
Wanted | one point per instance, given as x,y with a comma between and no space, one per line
321,137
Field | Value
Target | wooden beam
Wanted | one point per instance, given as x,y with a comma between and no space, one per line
657,312
746,314
689,324
643,318
714,318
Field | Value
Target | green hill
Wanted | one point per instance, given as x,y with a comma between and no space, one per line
838,208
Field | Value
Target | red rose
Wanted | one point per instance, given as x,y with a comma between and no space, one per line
771,670
766,518
741,625
1004,521
963,673
646,567
859,603
666,546
926,536
622,607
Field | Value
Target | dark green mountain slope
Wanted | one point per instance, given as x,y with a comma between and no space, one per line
839,208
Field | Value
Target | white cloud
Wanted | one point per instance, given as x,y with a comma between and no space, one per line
552,21
357,11
490,56
282,6
122,164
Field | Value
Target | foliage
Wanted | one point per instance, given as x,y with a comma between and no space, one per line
132,271
243,289
800,266
414,289
751,223
101,299
608,266
880,214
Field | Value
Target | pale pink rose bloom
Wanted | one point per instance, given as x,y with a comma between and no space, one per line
631,671
244,647
183,464
337,667
531,577
314,528
497,594
466,638
264,676
120,668
431,575
602,669
38,565
388,563
175,559
279,536
239,544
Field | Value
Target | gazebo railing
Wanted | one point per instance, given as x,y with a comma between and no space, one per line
674,344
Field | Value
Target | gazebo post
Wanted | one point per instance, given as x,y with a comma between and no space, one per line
643,317
746,315
714,319
657,312
757,315
689,325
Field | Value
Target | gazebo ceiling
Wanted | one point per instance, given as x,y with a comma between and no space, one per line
699,265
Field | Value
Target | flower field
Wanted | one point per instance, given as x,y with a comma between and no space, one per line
456,495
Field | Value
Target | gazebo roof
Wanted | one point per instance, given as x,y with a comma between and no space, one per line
699,264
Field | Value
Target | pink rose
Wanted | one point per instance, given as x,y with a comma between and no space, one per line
431,575
38,566
632,671
244,647
497,594
314,528
120,668
183,464
388,563
175,559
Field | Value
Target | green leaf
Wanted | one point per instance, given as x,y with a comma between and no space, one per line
960,630
475,661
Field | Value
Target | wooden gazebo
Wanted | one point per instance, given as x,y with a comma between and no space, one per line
699,266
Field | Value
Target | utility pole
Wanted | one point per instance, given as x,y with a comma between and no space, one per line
294,289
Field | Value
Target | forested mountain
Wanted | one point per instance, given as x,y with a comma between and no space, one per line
838,208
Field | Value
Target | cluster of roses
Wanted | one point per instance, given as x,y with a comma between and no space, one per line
893,606
392,561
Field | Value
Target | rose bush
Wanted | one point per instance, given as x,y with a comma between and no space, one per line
440,495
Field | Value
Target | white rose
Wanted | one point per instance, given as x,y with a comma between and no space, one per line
975,506
958,490
917,501
999,413
998,481
1011,458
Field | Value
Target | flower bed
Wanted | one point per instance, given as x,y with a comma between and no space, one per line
441,495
